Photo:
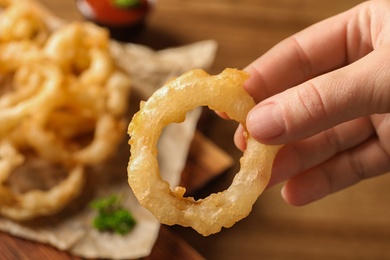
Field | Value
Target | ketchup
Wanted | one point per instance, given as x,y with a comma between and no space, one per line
124,18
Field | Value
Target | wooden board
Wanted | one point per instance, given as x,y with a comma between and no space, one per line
205,161
168,246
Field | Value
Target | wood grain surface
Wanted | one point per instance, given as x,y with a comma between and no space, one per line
352,224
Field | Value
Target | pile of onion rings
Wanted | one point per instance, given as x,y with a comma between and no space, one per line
169,104
62,99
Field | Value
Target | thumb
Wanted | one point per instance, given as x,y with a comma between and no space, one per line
359,89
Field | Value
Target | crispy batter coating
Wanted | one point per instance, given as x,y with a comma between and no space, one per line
169,104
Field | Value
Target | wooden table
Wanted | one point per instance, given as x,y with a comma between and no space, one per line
353,224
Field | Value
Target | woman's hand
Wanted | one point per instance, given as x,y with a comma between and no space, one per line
325,93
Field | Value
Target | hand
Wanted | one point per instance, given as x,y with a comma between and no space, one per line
325,93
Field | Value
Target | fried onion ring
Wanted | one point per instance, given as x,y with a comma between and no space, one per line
35,203
63,102
169,104
50,78
20,22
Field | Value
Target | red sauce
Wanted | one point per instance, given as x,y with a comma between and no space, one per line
123,22
106,12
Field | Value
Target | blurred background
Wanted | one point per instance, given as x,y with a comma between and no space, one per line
352,224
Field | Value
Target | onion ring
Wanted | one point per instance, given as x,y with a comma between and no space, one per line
169,104
20,22
34,203
63,101
46,96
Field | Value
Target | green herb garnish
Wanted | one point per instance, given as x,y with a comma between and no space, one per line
126,3
112,216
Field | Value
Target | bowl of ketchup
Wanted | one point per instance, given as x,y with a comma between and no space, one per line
123,18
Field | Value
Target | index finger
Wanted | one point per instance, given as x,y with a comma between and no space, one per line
320,48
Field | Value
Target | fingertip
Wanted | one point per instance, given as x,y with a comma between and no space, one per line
290,196
252,84
239,138
222,115
304,189
265,122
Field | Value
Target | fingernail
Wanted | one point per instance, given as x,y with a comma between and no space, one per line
266,122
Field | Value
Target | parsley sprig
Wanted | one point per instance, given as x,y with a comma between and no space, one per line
111,216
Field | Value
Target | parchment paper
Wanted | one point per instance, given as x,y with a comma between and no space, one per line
71,229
